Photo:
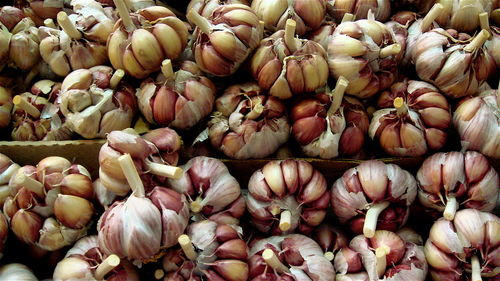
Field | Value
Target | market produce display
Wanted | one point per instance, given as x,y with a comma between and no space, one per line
250,140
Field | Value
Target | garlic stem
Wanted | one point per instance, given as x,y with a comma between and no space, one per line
31,184
371,218
166,68
130,172
329,255
128,4
476,269
116,78
477,42
390,50
290,41
106,266
381,254
164,170
159,273
49,23
337,95
202,23
124,13
196,205
275,210
272,260
451,208
485,23
400,106
347,17
23,104
187,247
257,110
431,16
67,26
285,220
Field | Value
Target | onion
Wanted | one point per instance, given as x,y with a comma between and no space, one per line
291,190
373,196
248,124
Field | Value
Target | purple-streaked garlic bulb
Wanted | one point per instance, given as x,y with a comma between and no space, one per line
286,196
248,123
372,196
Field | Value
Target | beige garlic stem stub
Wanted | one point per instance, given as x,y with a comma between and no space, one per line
32,185
285,220
116,78
68,26
381,254
400,106
329,256
485,23
451,208
431,16
337,94
124,13
49,23
272,260
371,218
166,69
130,172
196,205
23,104
390,50
201,22
106,266
476,269
347,17
187,247
477,42
159,273
164,170
290,40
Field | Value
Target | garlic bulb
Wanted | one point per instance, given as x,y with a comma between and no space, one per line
213,192
138,43
359,8
16,272
223,41
451,65
477,120
448,180
330,124
151,156
288,66
465,248
208,251
50,205
247,123
384,256
179,99
493,44
85,261
308,14
331,239
92,20
291,190
414,118
40,10
289,257
5,107
7,169
95,102
373,196
365,53
206,7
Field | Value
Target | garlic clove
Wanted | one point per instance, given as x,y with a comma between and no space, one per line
73,211
26,226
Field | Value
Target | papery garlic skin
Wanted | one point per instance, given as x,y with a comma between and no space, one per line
477,120
420,125
247,123
373,184
452,245
323,33
359,8
308,14
287,186
16,271
91,18
206,7
466,177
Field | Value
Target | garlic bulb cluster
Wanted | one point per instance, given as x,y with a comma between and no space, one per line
465,248
224,40
50,204
153,155
452,180
141,41
359,8
373,196
456,68
179,99
331,239
291,190
414,118
96,102
385,256
7,169
330,124
248,123
84,261
288,66
5,107
205,8
213,192
15,272
477,120
308,14
365,53
289,257
138,227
